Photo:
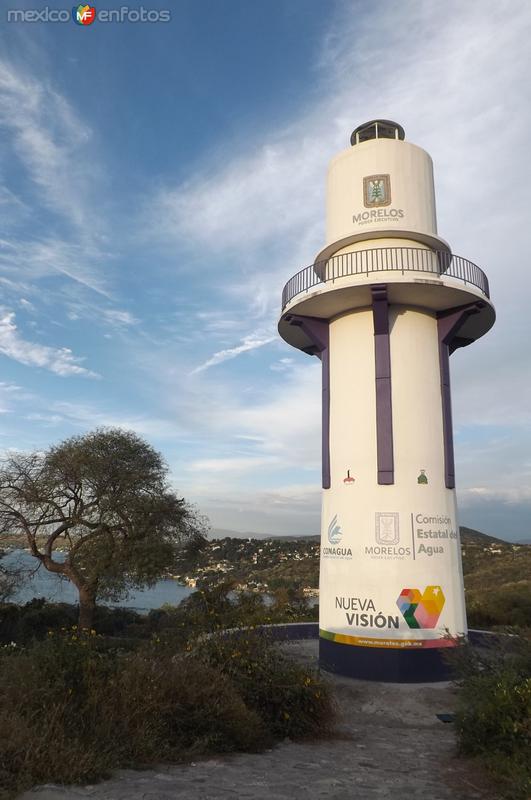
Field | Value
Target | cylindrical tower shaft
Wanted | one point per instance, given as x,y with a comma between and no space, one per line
383,305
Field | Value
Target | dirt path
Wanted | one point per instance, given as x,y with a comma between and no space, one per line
388,744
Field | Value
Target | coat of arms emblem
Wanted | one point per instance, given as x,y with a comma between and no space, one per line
387,530
376,191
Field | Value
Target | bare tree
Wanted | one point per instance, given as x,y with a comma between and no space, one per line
97,509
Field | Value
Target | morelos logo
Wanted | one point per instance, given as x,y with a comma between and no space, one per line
387,536
376,195
376,191
387,527
421,610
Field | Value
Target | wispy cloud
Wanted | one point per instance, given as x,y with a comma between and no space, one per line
293,509
84,416
520,494
251,342
257,197
48,138
231,465
63,185
39,258
119,318
61,361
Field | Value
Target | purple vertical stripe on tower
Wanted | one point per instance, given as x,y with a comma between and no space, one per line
384,406
449,463
317,331
449,324
325,411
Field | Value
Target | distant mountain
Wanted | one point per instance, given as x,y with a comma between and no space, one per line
468,536
471,536
224,533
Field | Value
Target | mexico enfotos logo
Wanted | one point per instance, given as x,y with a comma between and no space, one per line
86,15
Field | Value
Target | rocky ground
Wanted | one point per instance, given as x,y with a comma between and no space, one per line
388,743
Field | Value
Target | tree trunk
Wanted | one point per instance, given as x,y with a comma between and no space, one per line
87,606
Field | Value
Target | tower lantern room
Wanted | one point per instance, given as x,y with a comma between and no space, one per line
377,129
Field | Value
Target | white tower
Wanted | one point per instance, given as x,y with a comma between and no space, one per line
383,306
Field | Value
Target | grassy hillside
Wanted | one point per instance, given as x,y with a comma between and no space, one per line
497,574
497,580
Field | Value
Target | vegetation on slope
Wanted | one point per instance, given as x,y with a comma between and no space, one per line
494,710
167,687
497,574
497,578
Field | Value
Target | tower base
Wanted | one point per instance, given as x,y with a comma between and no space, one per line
380,664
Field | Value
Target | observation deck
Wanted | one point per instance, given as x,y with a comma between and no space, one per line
435,280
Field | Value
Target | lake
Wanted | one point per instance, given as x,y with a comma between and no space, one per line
53,588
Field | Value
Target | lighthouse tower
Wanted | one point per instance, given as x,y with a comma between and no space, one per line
383,306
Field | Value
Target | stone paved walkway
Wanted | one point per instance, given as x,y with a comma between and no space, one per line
388,744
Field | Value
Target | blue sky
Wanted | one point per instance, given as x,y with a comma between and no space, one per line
159,183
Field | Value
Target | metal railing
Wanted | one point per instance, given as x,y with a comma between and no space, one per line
400,259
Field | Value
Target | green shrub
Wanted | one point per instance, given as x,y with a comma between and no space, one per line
205,610
292,700
33,620
74,706
494,711
508,606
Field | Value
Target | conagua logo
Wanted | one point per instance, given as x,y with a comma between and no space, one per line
334,537
376,191
421,610
334,531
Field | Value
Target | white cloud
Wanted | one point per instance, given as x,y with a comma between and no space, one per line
40,258
48,138
85,416
282,365
283,423
293,509
288,420
510,496
251,342
118,318
255,198
230,465
61,361
56,151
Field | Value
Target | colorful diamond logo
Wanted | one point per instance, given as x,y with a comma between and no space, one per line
421,610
